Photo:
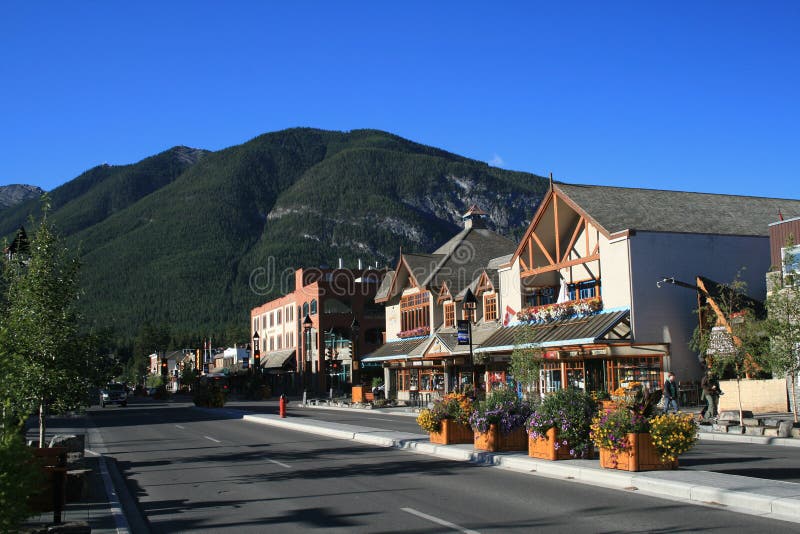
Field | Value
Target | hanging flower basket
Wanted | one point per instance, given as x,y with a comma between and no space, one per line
452,432
415,332
639,455
493,440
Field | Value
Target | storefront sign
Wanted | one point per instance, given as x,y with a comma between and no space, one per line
463,332
551,354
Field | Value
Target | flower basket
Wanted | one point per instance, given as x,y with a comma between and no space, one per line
495,441
545,448
641,455
452,432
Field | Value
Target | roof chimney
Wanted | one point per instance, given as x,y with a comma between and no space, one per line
473,218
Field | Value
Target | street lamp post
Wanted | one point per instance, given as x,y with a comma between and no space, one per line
256,354
355,326
470,304
307,323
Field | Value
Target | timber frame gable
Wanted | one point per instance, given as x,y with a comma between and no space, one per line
561,235
402,269
485,284
444,294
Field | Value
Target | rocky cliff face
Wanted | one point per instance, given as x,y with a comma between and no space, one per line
11,195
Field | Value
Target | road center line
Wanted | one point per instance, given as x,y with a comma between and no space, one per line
279,463
438,521
179,426
212,439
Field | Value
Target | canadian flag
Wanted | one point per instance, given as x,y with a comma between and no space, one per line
510,313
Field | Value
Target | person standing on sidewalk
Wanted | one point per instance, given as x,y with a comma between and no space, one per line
670,393
710,385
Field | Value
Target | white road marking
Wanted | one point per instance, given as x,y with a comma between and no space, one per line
382,419
279,463
91,452
438,521
179,426
212,439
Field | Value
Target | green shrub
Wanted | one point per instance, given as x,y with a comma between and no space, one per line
20,477
161,393
208,395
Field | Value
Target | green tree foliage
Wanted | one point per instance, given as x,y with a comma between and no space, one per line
740,351
20,477
783,326
526,361
47,360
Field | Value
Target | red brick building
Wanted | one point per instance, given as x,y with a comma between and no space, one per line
307,337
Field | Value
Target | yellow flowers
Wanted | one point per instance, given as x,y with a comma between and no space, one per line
428,422
455,406
673,434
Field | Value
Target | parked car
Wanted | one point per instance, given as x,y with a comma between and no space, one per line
114,394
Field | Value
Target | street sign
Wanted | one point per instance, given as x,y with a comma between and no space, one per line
463,332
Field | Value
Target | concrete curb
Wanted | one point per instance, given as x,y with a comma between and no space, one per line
743,438
775,499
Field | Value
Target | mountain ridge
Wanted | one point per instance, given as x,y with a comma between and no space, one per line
177,237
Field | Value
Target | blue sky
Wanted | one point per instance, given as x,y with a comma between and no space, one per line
686,95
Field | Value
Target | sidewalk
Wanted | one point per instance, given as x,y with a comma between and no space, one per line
100,510
754,496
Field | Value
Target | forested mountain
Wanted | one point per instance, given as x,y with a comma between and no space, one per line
178,238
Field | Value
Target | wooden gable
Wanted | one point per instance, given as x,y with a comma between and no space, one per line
560,235
484,284
444,294
403,279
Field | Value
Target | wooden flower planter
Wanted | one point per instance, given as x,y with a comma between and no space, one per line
496,441
641,456
545,448
452,432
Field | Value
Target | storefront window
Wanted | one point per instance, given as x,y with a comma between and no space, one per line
575,375
647,370
551,377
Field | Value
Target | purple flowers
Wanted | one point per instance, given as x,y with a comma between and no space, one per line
570,412
502,408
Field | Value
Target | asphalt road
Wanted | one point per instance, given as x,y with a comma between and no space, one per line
751,460
195,471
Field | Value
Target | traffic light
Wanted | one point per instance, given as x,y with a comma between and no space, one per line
164,369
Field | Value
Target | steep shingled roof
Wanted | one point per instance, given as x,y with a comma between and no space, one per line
619,208
468,254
